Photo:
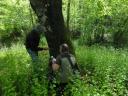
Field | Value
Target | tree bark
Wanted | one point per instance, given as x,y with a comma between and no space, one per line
68,13
49,13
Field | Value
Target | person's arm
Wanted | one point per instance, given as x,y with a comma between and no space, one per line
40,48
55,67
55,63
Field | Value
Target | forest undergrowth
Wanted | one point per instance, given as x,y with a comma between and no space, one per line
104,72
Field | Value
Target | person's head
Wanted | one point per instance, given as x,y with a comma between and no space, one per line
35,31
64,48
39,28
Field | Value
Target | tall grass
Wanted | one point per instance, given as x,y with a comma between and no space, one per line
16,72
104,72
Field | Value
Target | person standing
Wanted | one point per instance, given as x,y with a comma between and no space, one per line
32,47
32,43
64,68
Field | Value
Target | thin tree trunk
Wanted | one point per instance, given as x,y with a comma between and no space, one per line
68,13
50,17
31,17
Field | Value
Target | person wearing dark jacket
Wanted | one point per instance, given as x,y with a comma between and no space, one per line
32,42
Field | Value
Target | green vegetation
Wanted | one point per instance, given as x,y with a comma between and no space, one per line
104,72
99,21
92,21
16,19
16,72
100,33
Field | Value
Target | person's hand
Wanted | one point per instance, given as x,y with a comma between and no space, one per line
53,60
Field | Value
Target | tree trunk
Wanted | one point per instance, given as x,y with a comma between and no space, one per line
31,17
49,13
68,13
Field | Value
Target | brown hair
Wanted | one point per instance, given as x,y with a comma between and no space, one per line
64,48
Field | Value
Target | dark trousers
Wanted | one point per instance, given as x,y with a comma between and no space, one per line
60,89
33,54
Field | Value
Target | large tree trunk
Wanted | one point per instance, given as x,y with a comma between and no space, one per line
50,17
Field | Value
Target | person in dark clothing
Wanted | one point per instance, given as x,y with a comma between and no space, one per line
32,42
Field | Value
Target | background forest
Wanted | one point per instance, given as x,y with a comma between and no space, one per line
100,36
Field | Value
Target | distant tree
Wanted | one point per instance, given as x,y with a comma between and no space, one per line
68,13
49,13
